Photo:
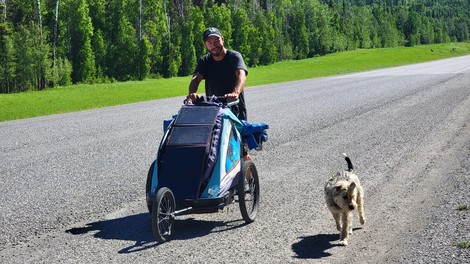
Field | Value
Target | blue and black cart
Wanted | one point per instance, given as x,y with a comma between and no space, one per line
201,166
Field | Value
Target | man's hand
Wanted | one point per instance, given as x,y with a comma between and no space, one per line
232,97
192,97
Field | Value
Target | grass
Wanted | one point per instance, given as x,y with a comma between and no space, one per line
85,96
81,97
463,244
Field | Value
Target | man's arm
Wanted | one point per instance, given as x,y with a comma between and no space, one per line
239,85
193,86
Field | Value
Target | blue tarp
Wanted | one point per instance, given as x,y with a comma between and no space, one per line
254,134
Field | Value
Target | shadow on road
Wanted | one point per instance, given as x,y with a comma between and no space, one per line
137,228
314,247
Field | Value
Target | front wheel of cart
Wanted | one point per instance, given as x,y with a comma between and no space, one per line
162,214
248,191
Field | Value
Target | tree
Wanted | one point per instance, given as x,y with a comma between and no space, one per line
427,31
24,58
266,24
56,26
143,58
284,42
196,15
299,34
363,27
41,60
122,43
81,32
154,28
387,33
99,45
39,17
412,29
188,52
8,61
171,59
241,40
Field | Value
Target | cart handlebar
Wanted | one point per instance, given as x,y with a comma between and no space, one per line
222,100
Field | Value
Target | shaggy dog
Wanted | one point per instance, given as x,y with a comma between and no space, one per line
343,194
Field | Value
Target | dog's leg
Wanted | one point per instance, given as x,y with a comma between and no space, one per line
350,220
360,206
337,218
346,228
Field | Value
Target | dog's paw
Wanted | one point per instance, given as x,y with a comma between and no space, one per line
362,220
343,242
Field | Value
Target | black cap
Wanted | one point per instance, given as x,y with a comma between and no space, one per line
211,32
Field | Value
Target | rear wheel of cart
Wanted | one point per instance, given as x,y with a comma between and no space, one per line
162,214
248,192
148,186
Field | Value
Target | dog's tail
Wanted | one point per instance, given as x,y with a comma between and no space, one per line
348,160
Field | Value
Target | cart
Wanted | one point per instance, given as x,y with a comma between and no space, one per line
201,165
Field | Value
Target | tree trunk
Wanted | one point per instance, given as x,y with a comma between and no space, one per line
39,18
55,30
140,20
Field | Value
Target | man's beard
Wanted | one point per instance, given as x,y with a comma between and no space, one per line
216,52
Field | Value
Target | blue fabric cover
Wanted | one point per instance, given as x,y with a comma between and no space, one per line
254,134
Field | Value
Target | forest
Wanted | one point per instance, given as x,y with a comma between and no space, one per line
51,43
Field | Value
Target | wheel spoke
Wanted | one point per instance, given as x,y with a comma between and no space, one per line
249,190
164,219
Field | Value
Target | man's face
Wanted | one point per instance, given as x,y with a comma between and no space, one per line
215,45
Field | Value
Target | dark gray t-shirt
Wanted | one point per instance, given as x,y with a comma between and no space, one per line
220,77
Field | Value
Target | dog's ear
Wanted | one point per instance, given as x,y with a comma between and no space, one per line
352,185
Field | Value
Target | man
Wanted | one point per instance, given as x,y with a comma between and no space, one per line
223,70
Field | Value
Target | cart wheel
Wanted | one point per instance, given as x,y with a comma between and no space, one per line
148,185
162,218
248,191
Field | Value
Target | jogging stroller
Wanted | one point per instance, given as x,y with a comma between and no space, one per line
200,165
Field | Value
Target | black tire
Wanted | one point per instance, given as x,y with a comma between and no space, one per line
162,214
248,191
148,185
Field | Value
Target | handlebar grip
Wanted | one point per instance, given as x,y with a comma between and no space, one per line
233,103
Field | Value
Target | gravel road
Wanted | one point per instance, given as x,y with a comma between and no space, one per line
72,185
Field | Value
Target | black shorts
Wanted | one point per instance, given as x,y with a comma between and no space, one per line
239,111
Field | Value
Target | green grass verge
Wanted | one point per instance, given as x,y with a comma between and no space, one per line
463,244
354,61
81,97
